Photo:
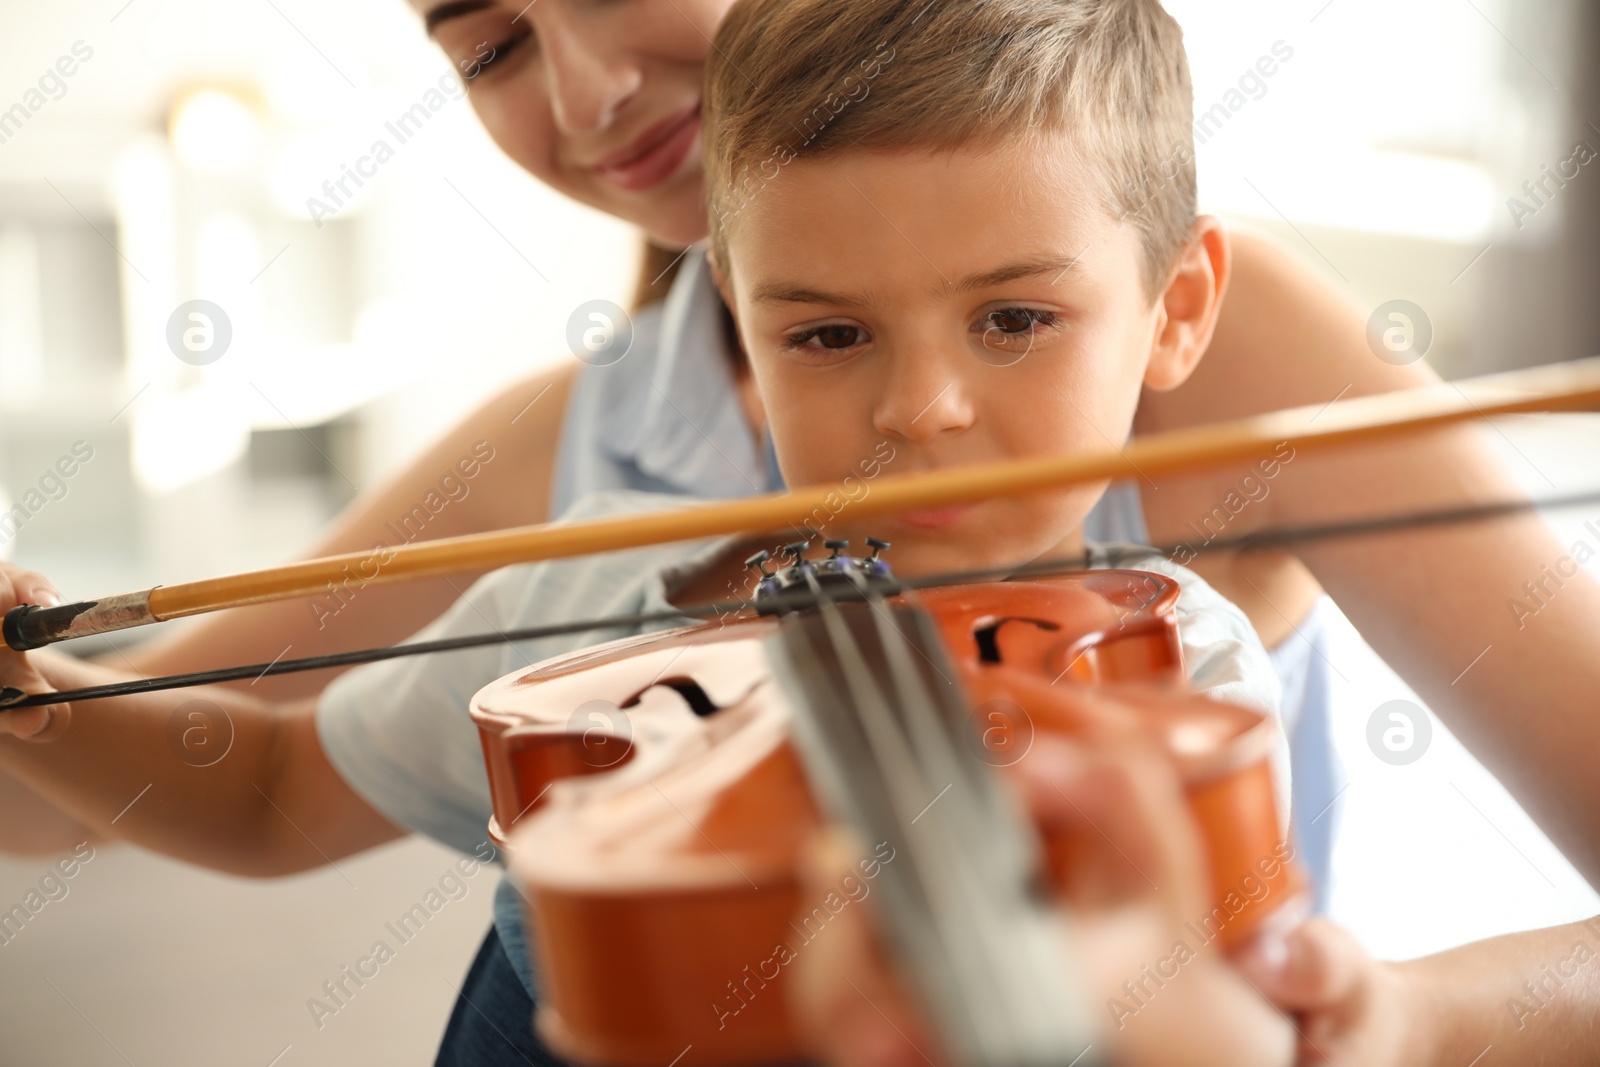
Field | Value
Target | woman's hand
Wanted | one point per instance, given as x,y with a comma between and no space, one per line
18,586
860,1015
1354,1011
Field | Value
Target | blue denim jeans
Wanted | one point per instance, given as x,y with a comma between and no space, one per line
492,1024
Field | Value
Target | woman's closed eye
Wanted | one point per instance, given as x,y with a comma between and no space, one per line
483,40
490,54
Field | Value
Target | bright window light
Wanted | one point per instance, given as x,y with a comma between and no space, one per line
214,131
181,437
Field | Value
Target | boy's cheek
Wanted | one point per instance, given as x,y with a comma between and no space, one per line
821,451
810,462
821,434
1048,402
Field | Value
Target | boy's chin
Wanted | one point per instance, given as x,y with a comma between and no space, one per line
993,535
921,557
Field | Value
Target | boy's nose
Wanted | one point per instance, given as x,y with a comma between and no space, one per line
923,397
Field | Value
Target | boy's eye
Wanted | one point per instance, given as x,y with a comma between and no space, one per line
1017,320
1009,333
834,336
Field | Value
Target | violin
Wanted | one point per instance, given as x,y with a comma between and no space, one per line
656,793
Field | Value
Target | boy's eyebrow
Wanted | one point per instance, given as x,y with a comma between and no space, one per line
1055,266
793,293
451,10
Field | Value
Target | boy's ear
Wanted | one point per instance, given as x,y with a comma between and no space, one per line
1189,305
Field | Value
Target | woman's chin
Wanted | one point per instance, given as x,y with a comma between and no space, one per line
678,234
671,216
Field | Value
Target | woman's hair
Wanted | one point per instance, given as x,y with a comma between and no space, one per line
657,268
794,78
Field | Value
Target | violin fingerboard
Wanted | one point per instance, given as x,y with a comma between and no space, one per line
887,740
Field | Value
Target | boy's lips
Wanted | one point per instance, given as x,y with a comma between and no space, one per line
656,154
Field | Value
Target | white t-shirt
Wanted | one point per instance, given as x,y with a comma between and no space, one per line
399,732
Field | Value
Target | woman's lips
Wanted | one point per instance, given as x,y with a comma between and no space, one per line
933,518
656,154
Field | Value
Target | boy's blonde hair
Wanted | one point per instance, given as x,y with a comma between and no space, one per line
794,78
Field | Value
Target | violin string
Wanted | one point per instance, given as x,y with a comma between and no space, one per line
861,684
958,821
892,765
852,743
929,736
1282,537
343,659
1108,555
1032,988
975,869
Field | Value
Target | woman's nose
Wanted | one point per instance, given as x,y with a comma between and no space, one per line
590,77
923,396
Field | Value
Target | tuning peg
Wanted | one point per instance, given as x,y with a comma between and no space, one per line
837,547
760,560
878,545
797,549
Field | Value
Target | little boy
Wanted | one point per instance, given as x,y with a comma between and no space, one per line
948,234
941,239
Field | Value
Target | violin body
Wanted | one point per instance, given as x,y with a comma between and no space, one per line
655,809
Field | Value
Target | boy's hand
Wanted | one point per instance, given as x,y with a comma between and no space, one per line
17,672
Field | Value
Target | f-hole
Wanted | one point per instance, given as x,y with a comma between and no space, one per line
988,635
689,689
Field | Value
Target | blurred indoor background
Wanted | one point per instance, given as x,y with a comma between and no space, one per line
176,163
